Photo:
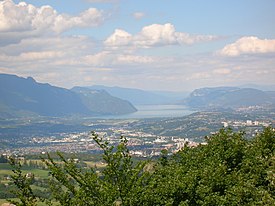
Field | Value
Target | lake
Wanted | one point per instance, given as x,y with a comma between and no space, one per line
154,111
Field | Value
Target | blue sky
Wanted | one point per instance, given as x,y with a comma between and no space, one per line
154,45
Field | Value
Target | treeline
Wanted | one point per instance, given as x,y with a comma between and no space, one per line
228,170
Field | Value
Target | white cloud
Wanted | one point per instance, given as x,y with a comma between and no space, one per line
222,71
47,52
154,35
89,18
133,59
198,76
249,45
106,58
99,59
138,15
70,45
23,17
119,38
70,66
41,55
32,57
40,51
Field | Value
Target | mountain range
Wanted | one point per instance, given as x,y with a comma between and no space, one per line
270,87
142,97
24,96
229,97
101,102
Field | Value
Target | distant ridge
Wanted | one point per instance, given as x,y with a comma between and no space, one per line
270,87
24,96
229,97
142,97
100,101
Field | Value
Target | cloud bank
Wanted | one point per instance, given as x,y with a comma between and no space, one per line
249,45
23,17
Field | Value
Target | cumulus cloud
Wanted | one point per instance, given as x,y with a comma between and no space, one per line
138,15
23,17
119,38
249,45
154,35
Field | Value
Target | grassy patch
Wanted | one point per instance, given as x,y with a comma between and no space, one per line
6,170
5,166
95,164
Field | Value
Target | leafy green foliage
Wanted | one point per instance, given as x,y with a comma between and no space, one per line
228,170
23,183
120,182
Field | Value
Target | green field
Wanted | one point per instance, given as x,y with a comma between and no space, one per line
6,169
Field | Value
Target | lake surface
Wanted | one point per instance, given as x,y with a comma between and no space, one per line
154,111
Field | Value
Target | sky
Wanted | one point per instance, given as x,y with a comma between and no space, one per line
175,45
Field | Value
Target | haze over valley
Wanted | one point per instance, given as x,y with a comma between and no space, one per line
40,117
24,97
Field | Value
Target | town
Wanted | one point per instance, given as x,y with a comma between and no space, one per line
146,137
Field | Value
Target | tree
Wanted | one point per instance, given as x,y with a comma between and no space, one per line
23,184
120,182
228,170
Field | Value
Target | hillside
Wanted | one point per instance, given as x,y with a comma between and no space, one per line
142,97
100,101
21,95
228,97
24,97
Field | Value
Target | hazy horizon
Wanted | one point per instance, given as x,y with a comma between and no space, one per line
148,45
264,87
